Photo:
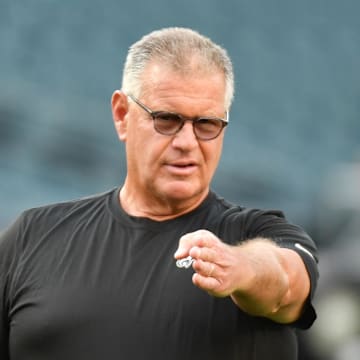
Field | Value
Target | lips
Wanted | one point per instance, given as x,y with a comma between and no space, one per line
183,167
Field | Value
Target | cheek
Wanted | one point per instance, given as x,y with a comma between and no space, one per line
138,139
212,155
145,151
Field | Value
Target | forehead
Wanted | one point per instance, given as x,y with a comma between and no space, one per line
203,88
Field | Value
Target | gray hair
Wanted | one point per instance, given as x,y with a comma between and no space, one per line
174,47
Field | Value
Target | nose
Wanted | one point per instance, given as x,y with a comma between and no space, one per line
185,139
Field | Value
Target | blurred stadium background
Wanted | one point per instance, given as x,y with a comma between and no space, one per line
294,137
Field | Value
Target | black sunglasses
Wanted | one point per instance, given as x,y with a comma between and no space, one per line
168,123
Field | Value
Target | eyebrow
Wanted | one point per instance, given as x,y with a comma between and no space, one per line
152,112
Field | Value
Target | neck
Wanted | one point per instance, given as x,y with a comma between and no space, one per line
159,209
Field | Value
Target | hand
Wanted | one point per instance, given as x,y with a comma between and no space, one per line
217,265
261,278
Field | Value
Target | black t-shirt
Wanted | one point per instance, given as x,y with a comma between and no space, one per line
84,280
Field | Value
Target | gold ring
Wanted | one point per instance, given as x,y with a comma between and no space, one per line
211,270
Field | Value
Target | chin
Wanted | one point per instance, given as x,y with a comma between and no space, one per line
182,191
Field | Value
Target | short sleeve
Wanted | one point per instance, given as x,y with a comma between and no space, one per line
241,224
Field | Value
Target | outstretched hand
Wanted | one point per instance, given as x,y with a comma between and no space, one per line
217,265
260,277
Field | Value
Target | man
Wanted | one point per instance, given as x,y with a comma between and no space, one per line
162,267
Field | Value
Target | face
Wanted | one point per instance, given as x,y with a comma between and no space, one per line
175,168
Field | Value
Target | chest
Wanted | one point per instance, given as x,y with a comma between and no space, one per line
109,287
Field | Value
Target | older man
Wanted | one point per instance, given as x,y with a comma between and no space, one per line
112,276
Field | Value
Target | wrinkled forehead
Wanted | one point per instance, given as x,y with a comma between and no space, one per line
195,71
191,94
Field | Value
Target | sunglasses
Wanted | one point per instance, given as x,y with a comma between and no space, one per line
168,123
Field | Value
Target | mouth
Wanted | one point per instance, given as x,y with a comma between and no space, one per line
181,167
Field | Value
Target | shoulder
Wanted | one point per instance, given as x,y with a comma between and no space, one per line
236,212
246,222
238,223
52,212
34,222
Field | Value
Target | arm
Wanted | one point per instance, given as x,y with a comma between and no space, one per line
260,277
279,283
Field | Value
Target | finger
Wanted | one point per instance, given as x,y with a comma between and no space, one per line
209,284
183,247
199,238
211,270
204,254
205,269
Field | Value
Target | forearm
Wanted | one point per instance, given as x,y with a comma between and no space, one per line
261,278
273,281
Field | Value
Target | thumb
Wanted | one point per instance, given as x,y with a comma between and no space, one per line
199,238
181,252
185,244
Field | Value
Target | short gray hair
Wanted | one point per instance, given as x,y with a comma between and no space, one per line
174,47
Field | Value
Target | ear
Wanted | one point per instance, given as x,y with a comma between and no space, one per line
119,107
